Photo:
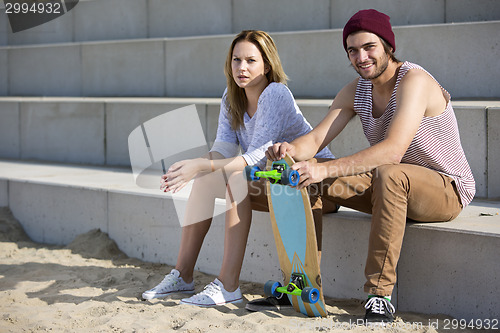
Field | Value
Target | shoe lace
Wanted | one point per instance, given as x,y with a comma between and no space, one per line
379,305
210,289
167,281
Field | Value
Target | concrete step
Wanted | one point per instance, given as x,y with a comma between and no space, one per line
93,20
193,66
449,268
96,130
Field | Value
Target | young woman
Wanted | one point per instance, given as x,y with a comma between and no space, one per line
257,110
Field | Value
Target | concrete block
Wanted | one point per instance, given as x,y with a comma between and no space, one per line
196,67
111,20
148,228
281,15
4,193
205,17
4,77
4,26
472,10
314,113
345,245
493,152
123,117
9,130
144,227
447,52
351,140
63,131
315,62
401,12
57,214
133,68
448,267
318,67
473,135
59,30
53,70
213,112
439,273
261,262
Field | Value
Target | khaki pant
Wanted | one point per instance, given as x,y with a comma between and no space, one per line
391,193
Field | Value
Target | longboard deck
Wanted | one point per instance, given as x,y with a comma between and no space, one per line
295,238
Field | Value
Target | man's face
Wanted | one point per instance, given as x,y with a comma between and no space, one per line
367,54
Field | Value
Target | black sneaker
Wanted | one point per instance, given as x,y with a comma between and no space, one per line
270,303
379,310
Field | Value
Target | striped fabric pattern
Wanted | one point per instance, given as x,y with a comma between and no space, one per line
436,144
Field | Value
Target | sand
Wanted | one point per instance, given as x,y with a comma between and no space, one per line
91,286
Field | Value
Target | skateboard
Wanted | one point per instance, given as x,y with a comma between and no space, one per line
295,238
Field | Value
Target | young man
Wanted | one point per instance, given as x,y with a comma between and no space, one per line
415,166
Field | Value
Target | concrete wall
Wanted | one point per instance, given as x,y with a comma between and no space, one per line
123,117
474,136
123,69
94,20
78,211
4,64
67,132
95,130
494,152
438,269
193,67
445,258
10,130
44,70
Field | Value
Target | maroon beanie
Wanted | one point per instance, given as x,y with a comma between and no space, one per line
372,21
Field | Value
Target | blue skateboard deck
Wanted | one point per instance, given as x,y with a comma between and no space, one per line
295,238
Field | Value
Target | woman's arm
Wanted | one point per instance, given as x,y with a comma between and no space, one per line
180,173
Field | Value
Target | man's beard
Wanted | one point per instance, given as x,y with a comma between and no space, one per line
380,70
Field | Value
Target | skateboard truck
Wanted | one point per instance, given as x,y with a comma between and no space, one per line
280,173
297,286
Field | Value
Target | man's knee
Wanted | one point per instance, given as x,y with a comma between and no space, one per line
389,175
388,172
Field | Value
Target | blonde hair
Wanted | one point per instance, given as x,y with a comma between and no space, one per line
236,100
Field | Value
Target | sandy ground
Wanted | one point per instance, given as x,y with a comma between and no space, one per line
91,286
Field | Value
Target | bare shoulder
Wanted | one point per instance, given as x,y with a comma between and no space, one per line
417,86
418,78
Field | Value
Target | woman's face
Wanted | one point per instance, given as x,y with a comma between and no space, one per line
249,69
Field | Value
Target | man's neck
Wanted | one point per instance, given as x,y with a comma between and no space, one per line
384,84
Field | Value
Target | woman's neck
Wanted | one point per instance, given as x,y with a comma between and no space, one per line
253,95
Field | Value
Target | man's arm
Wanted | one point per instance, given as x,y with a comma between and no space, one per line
412,100
306,146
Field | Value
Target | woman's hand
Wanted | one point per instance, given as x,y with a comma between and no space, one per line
179,174
278,151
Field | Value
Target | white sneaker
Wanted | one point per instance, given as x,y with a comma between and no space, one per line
214,294
172,283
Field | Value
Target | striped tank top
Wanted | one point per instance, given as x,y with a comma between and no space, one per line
436,144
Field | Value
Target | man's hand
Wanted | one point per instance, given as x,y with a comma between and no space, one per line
278,151
310,172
